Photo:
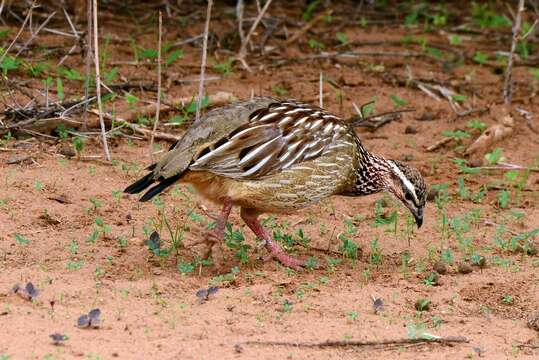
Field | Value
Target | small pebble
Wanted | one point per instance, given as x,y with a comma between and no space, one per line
464,268
67,151
410,130
440,267
475,163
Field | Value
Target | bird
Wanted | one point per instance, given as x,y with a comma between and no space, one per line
267,155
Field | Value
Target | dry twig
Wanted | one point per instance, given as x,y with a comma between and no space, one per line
158,103
98,84
450,340
28,16
88,60
243,49
203,62
507,86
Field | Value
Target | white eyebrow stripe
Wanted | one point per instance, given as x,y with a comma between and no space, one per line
404,180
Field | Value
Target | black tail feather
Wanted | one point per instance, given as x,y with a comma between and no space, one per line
140,184
162,185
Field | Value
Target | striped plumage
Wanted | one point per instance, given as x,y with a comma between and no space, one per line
266,155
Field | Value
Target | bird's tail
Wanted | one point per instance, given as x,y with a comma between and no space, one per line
146,181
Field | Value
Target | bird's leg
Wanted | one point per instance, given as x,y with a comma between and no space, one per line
216,235
250,217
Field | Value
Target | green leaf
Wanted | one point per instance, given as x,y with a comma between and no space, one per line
60,89
225,67
457,134
150,54
279,90
455,40
434,52
512,175
397,101
70,74
495,156
131,99
186,268
458,97
535,73
111,75
412,18
476,124
480,57
369,108
173,56
503,198
342,38
9,63
308,13
315,44
21,240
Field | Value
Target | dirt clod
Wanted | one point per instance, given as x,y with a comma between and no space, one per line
410,130
440,267
464,268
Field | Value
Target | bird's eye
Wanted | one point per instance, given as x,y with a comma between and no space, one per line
408,196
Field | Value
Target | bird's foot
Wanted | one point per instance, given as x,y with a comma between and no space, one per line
276,252
213,239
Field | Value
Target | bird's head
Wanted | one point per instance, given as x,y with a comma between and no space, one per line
408,186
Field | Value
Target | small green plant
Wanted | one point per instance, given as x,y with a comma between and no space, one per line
78,144
225,67
21,240
495,156
315,44
309,10
476,124
173,56
279,90
480,58
235,240
455,40
485,17
397,101
343,39
349,247
507,299
376,253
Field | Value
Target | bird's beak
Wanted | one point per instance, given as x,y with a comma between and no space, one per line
418,215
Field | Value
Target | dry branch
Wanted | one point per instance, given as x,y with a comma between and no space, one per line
507,86
219,98
98,84
450,340
136,128
203,61
158,103
243,49
306,28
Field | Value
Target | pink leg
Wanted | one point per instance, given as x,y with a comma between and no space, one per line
216,236
250,217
